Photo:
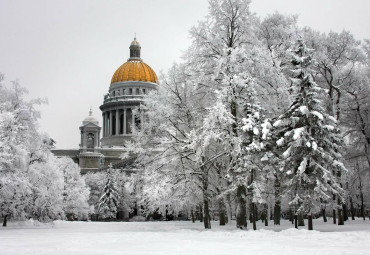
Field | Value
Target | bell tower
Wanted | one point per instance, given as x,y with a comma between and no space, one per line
90,134
90,158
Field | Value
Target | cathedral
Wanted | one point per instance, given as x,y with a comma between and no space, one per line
101,146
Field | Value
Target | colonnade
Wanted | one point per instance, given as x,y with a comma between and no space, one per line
118,122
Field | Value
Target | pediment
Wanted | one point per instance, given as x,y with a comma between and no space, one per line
90,125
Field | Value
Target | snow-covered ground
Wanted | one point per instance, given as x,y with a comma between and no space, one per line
80,238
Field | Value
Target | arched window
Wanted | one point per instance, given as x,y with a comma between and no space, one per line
90,142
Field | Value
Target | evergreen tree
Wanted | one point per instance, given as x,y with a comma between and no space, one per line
108,202
311,142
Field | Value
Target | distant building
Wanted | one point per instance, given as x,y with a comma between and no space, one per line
129,83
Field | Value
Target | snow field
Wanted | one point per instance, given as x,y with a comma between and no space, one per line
61,237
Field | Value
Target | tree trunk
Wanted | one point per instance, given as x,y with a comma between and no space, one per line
291,216
241,209
340,217
296,221
5,220
323,212
230,207
222,212
362,206
277,207
340,213
334,217
345,212
362,209
266,220
310,224
266,215
352,208
201,213
300,219
253,212
222,219
192,216
207,218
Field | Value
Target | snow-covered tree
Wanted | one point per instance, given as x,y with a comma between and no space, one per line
278,34
31,177
358,187
108,202
124,184
337,54
18,133
75,191
46,181
95,182
206,137
205,122
243,69
170,179
311,141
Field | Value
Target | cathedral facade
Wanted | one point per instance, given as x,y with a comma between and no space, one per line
101,146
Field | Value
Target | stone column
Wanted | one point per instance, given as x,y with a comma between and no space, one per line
117,122
110,122
124,121
96,138
106,124
103,124
82,140
85,141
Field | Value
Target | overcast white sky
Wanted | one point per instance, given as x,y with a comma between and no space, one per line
67,51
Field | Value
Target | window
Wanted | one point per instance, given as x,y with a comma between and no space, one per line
144,91
137,91
114,93
123,91
130,91
90,142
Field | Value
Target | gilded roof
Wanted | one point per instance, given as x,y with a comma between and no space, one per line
134,71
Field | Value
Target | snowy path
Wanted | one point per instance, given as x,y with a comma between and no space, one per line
182,238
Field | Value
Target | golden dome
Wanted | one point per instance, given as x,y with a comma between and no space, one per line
134,71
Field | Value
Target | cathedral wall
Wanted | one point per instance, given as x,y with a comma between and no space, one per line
73,154
112,155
